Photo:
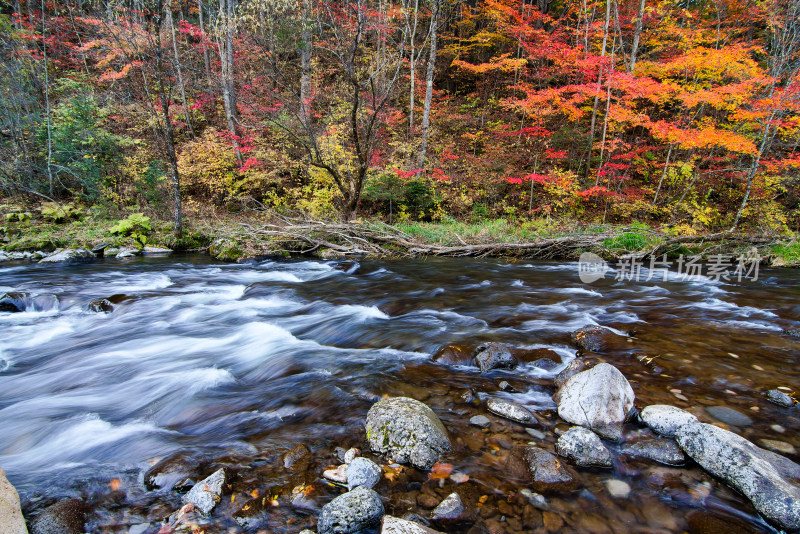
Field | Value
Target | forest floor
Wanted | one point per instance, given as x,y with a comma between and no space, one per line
247,234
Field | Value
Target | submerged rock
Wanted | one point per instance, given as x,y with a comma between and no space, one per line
729,416
593,338
394,525
770,481
584,448
352,512
362,472
780,398
453,510
337,475
11,520
491,356
407,431
480,420
619,489
70,255
170,472
665,419
510,410
542,469
452,355
14,302
207,493
599,399
298,458
661,450
65,517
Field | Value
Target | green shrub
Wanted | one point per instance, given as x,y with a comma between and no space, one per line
61,213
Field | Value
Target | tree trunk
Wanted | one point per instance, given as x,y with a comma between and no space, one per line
597,96
637,33
426,112
305,66
178,69
206,58
226,75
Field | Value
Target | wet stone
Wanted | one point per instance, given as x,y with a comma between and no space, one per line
510,410
574,367
491,356
584,448
661,450
394,525
452,355
207,493
618,489
480,420
65,517
453,510
665,419
170,472
362,472
542,469
780,398
593,338
778,446
298,458
729,416
352,512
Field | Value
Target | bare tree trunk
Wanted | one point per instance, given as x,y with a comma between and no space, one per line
226,76
178,69
751,173
411,30
47,102
637,33
305,66
426,112
206,58
599,85
663,174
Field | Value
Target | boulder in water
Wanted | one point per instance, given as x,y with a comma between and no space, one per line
491,356
362,472
729,416
100,306
583,447
65,517
207,493
661,450
407,431
593,338
780,398
452,355
599,399
542,470
69,255
770,481
573,368
11,518
354,511
13,302
665,419
171,472
298,458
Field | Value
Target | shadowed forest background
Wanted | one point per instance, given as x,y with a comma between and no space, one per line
682,115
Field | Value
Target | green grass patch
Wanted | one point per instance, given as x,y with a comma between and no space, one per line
788,252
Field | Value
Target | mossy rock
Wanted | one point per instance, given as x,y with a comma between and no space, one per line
225,250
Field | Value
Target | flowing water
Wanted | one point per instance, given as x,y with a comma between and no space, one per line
233,365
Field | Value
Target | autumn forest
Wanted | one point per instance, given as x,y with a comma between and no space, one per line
680,113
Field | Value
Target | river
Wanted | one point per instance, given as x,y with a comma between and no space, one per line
234,364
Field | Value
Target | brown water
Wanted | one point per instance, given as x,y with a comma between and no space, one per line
233,365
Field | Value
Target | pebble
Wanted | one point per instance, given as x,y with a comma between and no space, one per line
778,446
536,433
362,472
618,489
351,454
778,428
480,420
780,398
338,475
729,416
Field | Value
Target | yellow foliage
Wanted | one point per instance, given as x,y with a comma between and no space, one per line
208,167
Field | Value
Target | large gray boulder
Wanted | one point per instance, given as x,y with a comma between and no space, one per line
583,447
407,431
11,520
598,399
69,255
665,419
354,511
206,494
770,481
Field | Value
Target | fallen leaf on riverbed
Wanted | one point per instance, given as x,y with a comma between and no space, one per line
440,471
255,493
392,473
114,484
459,478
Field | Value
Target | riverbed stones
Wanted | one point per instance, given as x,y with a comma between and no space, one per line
729,416
11,519
100,306
69,255
661,450
65,517
665,419
778,446
542,470
491,356
453,510
351,512
337,475
598,399
510,410
207,493
452,355
395,525
363,472
480,420
780,398
298,458
619,489
407,431
127,252
583,447
770,481
592,338
170,472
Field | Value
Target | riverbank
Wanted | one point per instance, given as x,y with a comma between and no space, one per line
239,236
